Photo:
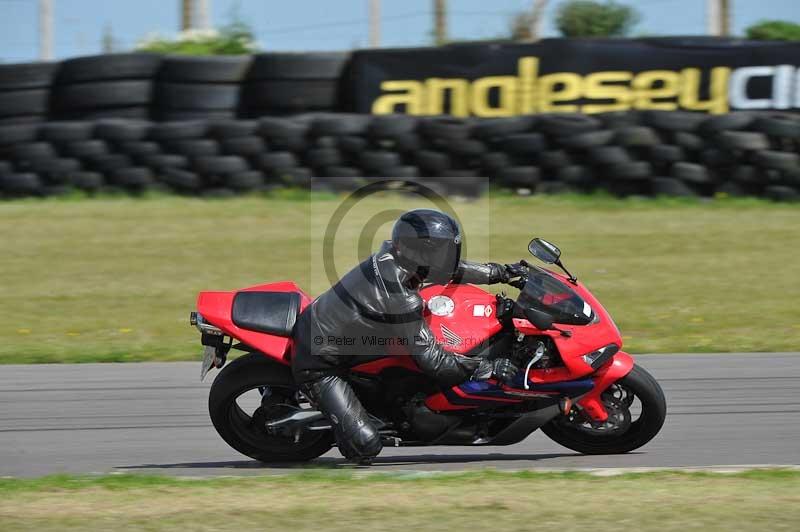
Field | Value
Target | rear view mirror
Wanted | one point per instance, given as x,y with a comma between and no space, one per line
544,250
540,320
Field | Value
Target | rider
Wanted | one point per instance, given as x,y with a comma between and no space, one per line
378,304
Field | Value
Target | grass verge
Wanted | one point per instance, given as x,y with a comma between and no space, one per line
113,279
755,500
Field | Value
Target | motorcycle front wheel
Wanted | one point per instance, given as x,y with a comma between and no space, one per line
636,407
247,394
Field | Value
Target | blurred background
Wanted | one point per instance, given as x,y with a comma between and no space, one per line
58,29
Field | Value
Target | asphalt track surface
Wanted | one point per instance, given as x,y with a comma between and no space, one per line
739,409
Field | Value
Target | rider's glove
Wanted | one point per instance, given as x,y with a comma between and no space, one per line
499,273
514,270
500,368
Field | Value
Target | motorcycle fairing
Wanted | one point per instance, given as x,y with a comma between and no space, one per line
582,339
620,365
475,394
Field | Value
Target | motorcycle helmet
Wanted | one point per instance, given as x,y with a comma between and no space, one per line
428,243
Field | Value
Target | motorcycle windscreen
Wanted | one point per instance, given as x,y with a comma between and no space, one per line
545,293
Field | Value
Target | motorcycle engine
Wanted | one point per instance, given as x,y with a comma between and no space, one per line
426,424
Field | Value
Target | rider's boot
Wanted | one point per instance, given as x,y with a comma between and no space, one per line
358,439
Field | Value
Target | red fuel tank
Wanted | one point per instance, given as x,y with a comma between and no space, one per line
462,316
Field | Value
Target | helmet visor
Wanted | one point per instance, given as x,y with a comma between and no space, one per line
443,259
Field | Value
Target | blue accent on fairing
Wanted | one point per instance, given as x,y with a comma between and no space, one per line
577,387
481,389
487,389
478,386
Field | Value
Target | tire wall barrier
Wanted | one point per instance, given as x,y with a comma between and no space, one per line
171,87
217,125
626,153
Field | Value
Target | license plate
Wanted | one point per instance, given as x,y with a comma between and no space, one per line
209,357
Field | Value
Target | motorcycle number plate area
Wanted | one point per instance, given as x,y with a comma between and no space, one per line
209,355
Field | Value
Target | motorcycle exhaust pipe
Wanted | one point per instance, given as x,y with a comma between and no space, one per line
310,420
306,419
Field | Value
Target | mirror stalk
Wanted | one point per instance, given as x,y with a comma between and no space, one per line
571,278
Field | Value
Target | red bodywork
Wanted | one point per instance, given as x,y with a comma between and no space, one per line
472,321
215,307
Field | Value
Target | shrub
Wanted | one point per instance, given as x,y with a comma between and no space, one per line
231,40
588,18
774,30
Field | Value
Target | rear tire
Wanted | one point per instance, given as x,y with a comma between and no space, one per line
239,429
640,431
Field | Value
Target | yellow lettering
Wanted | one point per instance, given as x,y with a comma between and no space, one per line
528,92
560,87
437,88
527,71
506,87
408,96
604,86
717,102
655,84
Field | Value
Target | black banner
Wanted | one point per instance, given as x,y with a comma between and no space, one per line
579,75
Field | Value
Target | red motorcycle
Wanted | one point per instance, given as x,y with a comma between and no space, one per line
577,385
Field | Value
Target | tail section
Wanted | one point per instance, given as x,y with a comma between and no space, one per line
262,317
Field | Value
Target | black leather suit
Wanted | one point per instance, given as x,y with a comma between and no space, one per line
373,311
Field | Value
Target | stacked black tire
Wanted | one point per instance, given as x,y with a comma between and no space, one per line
104,86
632,153
286,83
191,88
32,162
25,92
647,153
173,87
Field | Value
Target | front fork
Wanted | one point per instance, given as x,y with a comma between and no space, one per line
620,365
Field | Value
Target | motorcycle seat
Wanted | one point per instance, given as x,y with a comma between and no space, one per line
267,312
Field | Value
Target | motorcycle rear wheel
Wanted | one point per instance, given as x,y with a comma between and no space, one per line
573,433
246,432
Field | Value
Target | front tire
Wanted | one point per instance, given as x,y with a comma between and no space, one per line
578,433
246,432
